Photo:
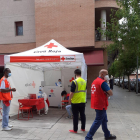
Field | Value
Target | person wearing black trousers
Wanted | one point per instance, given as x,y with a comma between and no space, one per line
77,100
111,83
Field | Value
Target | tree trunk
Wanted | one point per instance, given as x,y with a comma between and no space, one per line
119,81
128,83
123,81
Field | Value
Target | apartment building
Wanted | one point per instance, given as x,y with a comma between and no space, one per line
26,24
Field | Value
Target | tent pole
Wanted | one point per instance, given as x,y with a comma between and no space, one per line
44,75
61,76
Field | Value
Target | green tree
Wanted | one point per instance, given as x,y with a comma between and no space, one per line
128,62
115,70
112,70
125,35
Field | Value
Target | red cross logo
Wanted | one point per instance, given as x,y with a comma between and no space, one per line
63,58
51,90
93,89
33,84
71,79
50,45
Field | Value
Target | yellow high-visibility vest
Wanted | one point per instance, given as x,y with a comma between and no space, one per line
79,95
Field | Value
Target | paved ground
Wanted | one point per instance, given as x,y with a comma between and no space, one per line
123,116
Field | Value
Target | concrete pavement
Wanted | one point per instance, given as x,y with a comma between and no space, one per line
123,116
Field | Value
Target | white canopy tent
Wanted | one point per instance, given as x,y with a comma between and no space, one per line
44,63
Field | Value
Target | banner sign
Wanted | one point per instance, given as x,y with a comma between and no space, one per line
63,58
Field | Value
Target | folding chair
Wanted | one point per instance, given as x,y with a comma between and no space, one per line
23,108
64,102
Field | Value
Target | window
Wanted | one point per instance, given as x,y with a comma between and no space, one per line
19,28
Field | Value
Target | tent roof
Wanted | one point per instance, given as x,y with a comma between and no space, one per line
51,55
51,48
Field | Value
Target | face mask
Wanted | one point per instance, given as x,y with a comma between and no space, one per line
9,74
40,92
106,78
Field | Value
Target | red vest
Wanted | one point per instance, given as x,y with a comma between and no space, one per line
99,99
6,96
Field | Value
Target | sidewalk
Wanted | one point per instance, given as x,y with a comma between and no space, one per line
123,116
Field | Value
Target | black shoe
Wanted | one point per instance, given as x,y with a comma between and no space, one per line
112,137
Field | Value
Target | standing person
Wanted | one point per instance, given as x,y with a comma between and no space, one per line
6,97
111,83
99,101
77,100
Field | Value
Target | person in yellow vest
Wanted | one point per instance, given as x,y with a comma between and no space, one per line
6,97
77,99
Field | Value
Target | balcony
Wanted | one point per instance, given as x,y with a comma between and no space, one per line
99,42
102,14
98,37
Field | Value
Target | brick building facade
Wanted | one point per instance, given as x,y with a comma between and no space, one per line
72,23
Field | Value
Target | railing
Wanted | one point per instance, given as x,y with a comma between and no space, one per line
98,36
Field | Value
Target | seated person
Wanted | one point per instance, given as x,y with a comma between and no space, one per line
59,83
68,107
42,94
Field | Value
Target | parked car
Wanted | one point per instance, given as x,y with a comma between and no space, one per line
126,84
138,87
115,81
132,79
120,83
132,85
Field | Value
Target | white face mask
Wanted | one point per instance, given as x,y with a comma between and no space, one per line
106,78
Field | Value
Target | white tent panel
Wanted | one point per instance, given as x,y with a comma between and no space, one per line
68,75
25,81
84,70
51,77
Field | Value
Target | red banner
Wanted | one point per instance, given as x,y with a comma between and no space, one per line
62,58
34,59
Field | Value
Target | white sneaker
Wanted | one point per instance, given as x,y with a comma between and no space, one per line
6,129
46,113
10,126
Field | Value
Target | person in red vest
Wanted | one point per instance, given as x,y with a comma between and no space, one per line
100,92
6,97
